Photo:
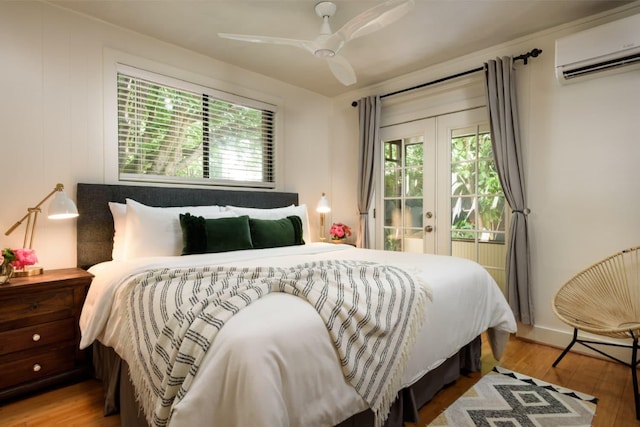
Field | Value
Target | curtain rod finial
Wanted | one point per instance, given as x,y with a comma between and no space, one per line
535,52
354,104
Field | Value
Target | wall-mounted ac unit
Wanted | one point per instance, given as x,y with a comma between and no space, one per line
606,49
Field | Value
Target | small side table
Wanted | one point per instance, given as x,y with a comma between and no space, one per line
39,331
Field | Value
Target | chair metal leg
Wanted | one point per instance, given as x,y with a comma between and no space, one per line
634,375
633,365
566,350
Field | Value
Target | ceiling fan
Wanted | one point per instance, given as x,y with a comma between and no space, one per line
327,44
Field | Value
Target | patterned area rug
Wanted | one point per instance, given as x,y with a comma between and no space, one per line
504,398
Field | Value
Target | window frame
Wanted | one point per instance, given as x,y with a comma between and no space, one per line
116,62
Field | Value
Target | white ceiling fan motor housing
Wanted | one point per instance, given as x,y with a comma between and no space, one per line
325,8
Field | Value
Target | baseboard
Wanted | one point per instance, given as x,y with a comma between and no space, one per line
560,339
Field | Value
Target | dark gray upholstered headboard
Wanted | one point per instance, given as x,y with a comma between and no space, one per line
95,223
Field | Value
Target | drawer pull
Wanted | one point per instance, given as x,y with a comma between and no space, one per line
36,337
34,306
36,368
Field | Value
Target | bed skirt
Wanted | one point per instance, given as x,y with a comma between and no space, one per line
120,396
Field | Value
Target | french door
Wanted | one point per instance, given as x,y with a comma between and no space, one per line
439,191
409,192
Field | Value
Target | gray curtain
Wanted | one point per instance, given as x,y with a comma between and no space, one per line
505,138
369,122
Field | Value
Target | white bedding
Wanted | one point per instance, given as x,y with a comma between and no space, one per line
252,376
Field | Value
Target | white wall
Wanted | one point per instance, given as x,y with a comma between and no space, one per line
581,146
581,162
51,115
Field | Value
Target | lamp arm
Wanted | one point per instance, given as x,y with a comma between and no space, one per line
59,187
16,225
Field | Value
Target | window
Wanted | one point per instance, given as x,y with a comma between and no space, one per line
170,130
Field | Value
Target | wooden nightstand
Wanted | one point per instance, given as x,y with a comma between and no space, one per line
39,332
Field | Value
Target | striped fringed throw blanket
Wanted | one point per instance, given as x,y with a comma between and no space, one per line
372,313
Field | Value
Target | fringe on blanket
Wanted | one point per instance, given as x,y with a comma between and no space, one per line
382,411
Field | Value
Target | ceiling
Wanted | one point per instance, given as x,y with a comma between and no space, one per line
432,32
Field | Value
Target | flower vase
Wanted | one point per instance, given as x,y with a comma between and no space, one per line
338,240
6,271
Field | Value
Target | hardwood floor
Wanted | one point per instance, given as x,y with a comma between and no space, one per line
74,405
610,382
81,404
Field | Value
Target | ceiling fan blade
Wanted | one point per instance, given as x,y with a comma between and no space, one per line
374,19
304,44
342,70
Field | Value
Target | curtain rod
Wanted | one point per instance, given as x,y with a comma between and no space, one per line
524,57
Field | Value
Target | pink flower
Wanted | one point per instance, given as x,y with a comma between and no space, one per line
24,257
339,230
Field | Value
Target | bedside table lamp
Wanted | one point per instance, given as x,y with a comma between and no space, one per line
61,207
323,208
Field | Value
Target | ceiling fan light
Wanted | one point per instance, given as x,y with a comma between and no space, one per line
324,53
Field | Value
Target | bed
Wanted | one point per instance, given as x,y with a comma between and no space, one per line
276,362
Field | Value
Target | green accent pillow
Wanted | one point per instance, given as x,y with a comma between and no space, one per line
209,235
275,233
194,238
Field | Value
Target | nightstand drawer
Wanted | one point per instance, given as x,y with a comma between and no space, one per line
35,367
36,336
37,304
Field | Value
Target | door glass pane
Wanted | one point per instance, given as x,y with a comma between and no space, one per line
392,182
413,213
463,144
392,150
393,213
463,178
414,154
489,177
491,213
413,182
392,239
462,213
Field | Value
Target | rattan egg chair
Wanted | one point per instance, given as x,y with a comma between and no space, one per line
604,299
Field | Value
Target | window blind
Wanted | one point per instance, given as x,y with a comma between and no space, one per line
175,131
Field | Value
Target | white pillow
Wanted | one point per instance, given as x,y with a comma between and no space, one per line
277,213
119,214
153,231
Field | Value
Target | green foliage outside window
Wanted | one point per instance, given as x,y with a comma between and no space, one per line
477,201
160,129
170,132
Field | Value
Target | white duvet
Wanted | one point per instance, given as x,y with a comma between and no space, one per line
253,376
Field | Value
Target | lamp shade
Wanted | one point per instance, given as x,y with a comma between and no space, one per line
323,205
62,207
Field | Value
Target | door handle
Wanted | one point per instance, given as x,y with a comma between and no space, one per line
428,228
